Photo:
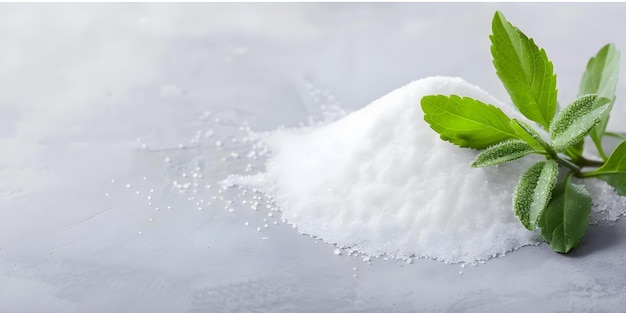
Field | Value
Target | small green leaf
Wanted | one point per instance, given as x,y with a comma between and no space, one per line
565,220
615,164
503,152
600,78
574,122
533,192
525,71
614,169
466,122
529,135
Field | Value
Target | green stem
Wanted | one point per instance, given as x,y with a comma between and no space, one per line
575,169
589,174
564,162
600,150
584,162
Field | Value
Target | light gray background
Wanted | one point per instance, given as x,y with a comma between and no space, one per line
79,83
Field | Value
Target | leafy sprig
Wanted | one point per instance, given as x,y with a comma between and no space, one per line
560,209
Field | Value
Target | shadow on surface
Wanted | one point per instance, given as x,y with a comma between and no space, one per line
598,238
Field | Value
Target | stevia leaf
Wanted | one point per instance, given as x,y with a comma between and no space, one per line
573,122
600,78
503,152
602,73
525,71
616,162
529,135
614,169
533,192
565,220
466,122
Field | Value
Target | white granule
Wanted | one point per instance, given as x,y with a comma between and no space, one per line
380,181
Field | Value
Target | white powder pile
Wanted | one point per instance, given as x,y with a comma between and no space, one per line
380,181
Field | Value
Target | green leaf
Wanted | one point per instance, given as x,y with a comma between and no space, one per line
533,192
602,73
600,78
574,122
503,152
614,169
614,165
466,122
525,71
616,162
565,220
529,135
